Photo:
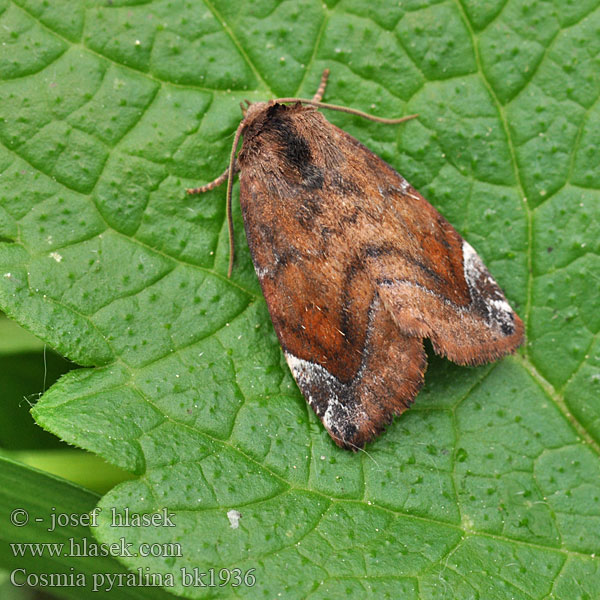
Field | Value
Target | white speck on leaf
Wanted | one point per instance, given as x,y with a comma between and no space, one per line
234,517
56,256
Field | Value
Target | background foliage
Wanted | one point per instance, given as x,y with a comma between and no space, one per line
489,487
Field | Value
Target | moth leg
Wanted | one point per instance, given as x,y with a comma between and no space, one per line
319,94
222,178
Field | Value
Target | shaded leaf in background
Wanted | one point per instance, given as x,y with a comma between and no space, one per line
26,371
43,497
488,487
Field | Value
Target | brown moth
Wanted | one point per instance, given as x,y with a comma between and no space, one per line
356,268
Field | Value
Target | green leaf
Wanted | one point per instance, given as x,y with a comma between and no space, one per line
488,487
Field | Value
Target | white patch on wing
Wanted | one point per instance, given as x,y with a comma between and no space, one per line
475,272
474,269
404,185
335,412
405,189
501,305
306,373
261,271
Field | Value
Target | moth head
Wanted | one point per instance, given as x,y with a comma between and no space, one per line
252,110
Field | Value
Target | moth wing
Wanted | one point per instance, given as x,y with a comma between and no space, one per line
353,365
354,410
428,277
356,268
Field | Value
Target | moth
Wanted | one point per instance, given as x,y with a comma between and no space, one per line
356,267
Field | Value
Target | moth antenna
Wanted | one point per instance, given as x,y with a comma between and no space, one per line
345,109
213,184
244,109
363,450
231,170
356,448
321,89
